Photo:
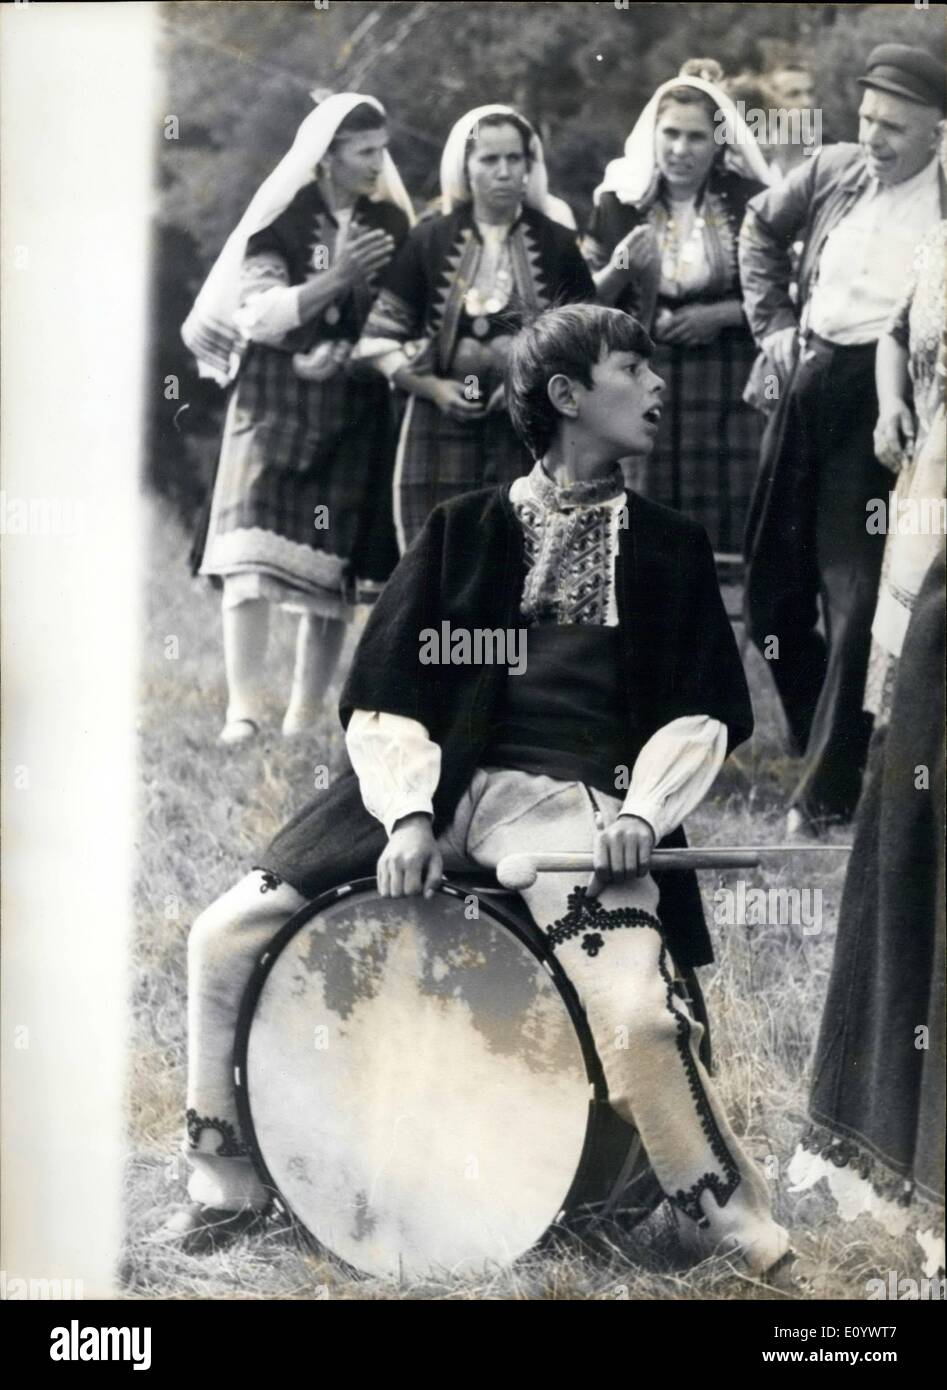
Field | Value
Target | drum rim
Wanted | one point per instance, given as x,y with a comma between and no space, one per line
267,958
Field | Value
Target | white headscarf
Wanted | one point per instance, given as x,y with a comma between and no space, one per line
634,176
454,189
209,329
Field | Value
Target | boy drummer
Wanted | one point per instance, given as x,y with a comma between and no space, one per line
631,666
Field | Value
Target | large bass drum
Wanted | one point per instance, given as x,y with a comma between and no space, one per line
420,1088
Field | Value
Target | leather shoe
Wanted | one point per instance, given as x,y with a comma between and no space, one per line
198,1230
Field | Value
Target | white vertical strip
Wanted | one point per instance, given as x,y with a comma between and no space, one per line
77,127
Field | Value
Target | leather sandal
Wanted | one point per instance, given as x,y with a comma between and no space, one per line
198,1230
790,1275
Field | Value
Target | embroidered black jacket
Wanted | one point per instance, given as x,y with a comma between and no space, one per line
467,568
423,287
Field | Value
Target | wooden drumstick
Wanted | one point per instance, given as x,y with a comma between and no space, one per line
518,871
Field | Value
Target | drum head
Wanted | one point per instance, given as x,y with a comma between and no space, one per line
416,1082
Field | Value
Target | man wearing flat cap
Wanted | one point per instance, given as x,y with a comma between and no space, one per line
860,210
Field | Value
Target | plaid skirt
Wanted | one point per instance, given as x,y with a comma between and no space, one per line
303,487
707,452
439,458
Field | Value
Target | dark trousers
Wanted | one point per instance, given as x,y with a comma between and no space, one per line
809,550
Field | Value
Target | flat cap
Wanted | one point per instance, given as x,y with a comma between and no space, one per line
908,72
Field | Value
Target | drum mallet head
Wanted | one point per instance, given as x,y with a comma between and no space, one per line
517,871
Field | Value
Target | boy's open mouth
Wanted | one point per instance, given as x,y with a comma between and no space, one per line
653,414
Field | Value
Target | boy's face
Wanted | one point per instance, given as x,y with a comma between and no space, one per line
623,409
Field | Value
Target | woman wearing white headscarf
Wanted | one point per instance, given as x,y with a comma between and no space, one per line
662,244
441,325
299,511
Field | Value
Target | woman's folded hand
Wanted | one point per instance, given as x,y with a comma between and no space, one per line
452,400
690,326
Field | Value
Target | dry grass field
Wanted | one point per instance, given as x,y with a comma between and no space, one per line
204,809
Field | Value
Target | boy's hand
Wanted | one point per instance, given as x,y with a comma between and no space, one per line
410,862
623,850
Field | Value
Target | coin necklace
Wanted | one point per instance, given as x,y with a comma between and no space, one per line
479,303
681,250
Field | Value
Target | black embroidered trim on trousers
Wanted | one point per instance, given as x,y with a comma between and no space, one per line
589,916
230,1146
723,1189
270,882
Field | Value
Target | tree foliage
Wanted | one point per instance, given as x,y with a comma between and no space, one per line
238,77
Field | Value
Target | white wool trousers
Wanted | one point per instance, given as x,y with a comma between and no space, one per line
612,950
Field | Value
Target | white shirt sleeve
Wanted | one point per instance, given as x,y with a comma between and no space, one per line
675,770
397,765
268,315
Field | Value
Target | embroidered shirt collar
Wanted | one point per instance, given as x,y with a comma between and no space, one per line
556,497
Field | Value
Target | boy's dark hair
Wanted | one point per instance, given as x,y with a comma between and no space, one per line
570,339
